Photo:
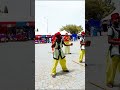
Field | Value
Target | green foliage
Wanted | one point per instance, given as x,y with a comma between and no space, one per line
98,9
71,28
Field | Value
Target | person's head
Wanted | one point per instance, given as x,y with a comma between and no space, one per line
58,36
115,19
83,33
66,34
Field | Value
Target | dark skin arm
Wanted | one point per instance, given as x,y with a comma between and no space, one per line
53,45
111,41
82,43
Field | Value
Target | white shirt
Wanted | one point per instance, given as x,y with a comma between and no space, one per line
115,48
82,39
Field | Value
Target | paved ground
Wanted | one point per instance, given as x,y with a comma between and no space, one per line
16,67
96,70
95,58
75,79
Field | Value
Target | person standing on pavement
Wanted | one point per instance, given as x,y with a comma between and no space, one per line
113,62
67,42
82,47
58,54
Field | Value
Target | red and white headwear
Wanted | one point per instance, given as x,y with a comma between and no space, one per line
115,16
83,33
58,34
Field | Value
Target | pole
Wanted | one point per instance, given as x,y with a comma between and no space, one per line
30,7
46,22
47,25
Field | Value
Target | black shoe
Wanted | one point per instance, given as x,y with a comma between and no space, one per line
86,65
65,70
53,75
80,61
110,85
69,53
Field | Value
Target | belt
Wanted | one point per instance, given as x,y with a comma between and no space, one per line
57,48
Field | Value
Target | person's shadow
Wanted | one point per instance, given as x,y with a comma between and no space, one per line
70,53
64,73
117,85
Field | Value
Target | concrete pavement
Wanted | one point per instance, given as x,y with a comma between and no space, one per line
95,72
75,79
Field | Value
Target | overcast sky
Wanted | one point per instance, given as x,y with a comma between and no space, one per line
58,14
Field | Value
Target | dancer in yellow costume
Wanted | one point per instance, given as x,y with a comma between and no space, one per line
82,47
113,59
58,54
82,43
67,42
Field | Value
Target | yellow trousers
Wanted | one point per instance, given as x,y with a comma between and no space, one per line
67,48
82,54
55,63
111,71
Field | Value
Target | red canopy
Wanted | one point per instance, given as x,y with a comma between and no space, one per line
31,23
7,22
48,35
38,36
3,30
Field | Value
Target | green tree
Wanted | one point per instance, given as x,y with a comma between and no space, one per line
72,28
98,9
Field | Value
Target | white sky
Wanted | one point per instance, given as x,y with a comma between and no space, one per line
58,14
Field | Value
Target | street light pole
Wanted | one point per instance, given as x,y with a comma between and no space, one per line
46,22
30,7
47,25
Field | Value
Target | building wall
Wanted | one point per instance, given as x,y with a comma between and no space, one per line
18,10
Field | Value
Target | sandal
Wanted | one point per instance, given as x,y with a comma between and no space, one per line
53,75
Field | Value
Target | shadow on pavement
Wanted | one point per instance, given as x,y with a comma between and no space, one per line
92,65
117,85
65,54
83,62
71,53
64,73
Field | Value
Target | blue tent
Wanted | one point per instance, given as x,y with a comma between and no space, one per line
43,35
97,23
20,24
92,22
